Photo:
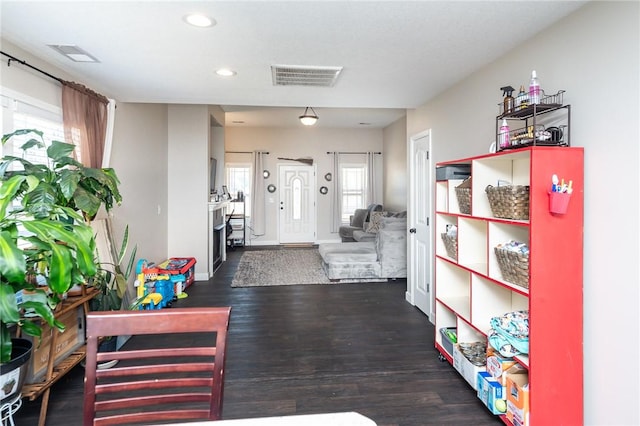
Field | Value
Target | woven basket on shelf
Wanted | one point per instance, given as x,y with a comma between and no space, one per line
463,194
509,201
451,245
514,266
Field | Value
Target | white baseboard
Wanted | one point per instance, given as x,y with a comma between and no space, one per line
201,276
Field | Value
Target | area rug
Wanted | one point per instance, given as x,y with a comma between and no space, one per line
285,266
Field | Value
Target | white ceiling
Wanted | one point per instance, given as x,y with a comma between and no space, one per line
396,54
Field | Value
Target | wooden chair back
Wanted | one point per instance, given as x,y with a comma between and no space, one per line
173,370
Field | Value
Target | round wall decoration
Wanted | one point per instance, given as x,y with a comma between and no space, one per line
327,177
324,190
271,188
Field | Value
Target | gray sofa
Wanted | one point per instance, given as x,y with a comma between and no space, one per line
358,223
384,257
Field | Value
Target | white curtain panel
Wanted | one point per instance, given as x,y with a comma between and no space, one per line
258,199
371,178
336,195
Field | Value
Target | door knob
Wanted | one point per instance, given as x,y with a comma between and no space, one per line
412,230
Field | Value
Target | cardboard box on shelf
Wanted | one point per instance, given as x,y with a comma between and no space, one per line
517,388
68,341
466,369
497,364
492,393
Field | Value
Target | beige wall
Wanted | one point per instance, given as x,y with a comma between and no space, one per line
139,156
298,143
188,184
594,56
395,166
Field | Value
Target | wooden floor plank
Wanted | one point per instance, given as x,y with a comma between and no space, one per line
313,349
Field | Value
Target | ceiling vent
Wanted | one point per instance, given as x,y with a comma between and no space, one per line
74,53
297,75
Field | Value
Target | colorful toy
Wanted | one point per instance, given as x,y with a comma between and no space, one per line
154,289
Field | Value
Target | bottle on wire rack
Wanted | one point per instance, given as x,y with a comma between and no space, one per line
534,89
503,135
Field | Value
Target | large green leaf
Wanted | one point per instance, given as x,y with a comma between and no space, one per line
68,181
5,343
86,201
9,313
12,261
58,150
21,132
80,237
60,268
8,190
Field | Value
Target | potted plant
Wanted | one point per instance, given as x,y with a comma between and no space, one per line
46,243
111,282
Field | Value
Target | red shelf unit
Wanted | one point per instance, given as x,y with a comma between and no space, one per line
470,289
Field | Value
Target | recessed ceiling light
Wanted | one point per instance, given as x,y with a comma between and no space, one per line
198,20
225,72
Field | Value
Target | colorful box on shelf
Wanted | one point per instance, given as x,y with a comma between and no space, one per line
466,368
497,365
492,393
517,388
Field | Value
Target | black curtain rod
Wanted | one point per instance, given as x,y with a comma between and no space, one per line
244,152
13,58
337,152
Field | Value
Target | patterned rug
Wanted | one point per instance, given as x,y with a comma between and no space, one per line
284,266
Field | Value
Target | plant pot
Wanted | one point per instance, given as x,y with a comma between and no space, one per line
14,372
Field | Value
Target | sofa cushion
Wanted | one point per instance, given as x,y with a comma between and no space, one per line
348,253
360,235
359,216
374,222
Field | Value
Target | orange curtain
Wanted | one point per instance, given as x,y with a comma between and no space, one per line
84,115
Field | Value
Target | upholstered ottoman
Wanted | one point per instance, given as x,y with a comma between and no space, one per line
350,260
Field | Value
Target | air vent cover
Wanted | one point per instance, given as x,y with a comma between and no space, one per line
74,53
298,75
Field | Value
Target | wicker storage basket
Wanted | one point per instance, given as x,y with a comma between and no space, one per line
463,194
514,266
450,244
509,201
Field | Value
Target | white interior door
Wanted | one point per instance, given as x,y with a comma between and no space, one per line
297,219
420,247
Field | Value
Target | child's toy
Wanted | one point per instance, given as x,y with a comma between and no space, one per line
154,289
181,269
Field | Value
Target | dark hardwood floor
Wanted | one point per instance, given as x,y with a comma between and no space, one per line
313,349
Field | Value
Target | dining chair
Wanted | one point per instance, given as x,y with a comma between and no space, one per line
172,370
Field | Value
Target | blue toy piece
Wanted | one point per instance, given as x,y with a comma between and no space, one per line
165,288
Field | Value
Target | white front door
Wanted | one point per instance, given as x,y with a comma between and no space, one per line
297,204
420,262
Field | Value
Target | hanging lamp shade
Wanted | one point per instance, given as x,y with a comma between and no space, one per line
309,118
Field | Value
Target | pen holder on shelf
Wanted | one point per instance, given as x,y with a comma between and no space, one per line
559,202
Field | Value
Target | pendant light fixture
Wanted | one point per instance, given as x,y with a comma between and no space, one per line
309,119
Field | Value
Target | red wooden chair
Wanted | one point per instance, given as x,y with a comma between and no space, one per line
173,370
